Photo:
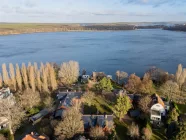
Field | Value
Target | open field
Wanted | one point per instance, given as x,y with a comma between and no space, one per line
21,28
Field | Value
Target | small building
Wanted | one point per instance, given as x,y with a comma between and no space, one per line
157,109
35,136
85,78
3,123
104,121
37,117
109,76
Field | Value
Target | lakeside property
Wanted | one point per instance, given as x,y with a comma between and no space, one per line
62,102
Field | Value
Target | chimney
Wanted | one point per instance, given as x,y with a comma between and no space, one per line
32,133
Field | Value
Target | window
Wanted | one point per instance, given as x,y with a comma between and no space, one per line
155,112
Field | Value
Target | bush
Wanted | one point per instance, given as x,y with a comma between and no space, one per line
2,137
147,133
33,111
6,134
133,131
97,133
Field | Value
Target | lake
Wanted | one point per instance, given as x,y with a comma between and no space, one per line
132,51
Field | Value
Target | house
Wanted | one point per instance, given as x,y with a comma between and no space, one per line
5,93
35,136
37,117
104,121
109,76
3,123
157,109
85,78
65,100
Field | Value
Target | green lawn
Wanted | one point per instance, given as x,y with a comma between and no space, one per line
182,108
159,135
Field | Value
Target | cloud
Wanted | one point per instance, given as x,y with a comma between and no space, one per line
30,3
154,3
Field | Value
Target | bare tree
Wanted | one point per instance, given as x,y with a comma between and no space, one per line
12,75
24,75
18,77
12,112
2,137
28,99
5,75
170,89
134,83
181,80
147,84
121,75
88,98
32,78
48,102
72,124
29,64
133,131
38,80
147,133
144,104
69,72
44,78
35,68
97,133
1,80
178,72
52,77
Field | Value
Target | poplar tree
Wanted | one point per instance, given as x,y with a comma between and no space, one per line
44,78
35,68
38,80
52,77
24,75
1,80
32,78
12,75
5,74
18,77
178,72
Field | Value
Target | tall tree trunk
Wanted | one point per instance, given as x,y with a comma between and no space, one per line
11,131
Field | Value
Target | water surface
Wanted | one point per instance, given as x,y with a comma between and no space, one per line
131,51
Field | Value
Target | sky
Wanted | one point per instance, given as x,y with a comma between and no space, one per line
92,11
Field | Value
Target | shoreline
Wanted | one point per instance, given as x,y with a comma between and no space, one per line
7,34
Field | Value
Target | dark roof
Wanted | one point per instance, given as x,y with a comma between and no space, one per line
39,115
93,120
134,113
65,99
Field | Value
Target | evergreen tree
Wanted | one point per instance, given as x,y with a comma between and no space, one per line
104,85
122,106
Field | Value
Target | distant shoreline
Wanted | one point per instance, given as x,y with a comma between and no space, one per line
16,29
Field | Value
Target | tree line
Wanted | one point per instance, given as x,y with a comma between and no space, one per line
31,76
